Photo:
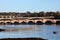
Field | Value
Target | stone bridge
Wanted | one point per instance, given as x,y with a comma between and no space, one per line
29,19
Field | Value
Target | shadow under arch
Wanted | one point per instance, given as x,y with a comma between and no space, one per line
57,22
16,23
48,22
23,22
2,23
8,23
39,23
31,22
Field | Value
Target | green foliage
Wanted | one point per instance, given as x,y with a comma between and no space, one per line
56,15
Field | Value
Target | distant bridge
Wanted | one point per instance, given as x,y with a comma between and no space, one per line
29,19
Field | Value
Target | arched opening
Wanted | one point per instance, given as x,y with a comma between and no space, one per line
8,23
16,23
48,22
2,23
23,22
31,22
39,22
58,22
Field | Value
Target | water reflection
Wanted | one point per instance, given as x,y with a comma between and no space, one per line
24,31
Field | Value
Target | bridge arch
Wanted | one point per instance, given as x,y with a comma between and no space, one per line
31,22
2,23
8,23
16,23
48,22
39,22
57,22
23,22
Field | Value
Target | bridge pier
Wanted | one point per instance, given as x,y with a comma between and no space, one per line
54,21
44,20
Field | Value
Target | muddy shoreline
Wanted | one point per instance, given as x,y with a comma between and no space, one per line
23,39
2,30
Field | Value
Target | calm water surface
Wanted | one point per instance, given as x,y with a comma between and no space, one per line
26,31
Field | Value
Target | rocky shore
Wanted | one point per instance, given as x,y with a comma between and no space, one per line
23,39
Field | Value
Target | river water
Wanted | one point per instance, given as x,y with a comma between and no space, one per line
27,31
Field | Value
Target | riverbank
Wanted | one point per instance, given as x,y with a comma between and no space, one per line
23,39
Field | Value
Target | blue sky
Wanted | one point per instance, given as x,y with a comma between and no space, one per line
29,5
